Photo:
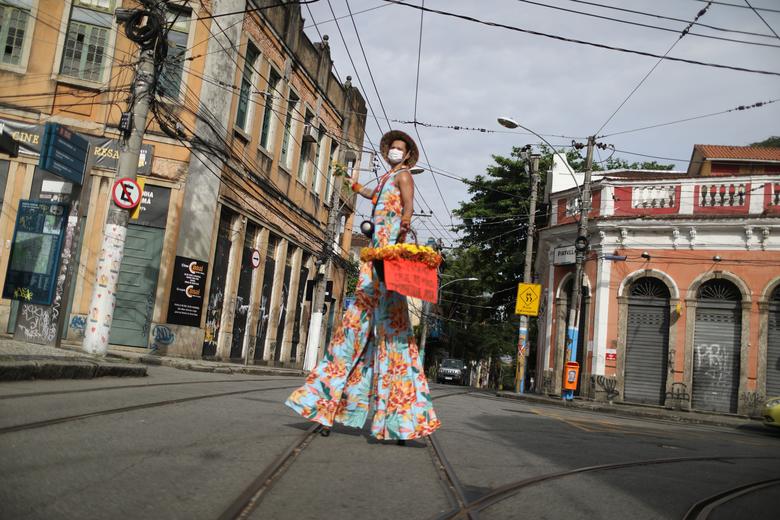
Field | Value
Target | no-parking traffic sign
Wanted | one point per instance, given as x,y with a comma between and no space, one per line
126,193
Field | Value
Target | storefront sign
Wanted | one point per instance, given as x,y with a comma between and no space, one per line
187,287
153,209
35,251
104,151
564,255
611,354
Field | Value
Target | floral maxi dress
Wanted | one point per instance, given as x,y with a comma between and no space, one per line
373,354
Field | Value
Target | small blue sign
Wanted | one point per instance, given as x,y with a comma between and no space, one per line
64,153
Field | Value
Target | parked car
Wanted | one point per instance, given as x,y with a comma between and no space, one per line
772,412
452,371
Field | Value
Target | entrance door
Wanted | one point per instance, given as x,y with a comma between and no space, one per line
243,293
217,288
716,347
647,342
773,347
137,286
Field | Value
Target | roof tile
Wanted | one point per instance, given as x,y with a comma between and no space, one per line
713,151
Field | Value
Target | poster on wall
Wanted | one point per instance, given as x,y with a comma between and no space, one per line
187,287
35,251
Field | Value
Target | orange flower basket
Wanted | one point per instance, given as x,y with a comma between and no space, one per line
409,269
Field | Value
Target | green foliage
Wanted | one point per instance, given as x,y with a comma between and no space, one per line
353,273
770,142
622,164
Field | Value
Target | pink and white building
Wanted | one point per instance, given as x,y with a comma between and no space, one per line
690,318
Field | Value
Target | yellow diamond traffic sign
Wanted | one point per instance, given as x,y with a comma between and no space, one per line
528,299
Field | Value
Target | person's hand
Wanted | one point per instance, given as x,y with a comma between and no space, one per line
406,225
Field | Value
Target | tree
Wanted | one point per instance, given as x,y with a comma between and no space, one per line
769,142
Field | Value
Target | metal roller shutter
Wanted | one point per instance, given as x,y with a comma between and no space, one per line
716,349
773,349
647,342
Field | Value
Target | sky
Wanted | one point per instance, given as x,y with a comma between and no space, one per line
470,74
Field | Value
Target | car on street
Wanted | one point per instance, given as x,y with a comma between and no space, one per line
452,371
772,412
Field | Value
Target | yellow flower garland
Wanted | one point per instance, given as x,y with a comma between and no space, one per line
426,255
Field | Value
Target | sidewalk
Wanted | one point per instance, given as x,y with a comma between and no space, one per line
641,411
199,365
20,360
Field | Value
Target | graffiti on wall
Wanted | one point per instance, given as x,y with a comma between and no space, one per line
78,323
608,385
752,403
162,337
37,323
678,396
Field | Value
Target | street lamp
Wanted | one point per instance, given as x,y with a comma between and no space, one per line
425,312
581,245
508,122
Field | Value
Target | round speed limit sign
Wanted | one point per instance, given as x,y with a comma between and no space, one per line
126,193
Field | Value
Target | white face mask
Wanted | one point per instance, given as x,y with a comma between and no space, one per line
394,156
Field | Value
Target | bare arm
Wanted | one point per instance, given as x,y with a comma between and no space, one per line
406,185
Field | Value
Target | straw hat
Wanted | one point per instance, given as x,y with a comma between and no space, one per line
397,135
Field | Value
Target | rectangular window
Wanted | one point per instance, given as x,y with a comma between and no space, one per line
86,42
244,111
13,28
319,176
307,142
268,115
334,146
169,83
292,105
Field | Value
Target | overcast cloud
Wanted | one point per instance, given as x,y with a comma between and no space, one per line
471,73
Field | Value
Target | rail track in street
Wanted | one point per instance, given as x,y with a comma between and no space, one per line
131,408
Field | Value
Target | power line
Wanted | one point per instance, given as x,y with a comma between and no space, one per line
762,19
693,118
767,9
314,24
255,9
701,13
416,130
363,51
349,55
644,25
584,42
663,17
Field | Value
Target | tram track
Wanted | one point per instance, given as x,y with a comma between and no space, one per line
123,387
124,409
253,494
703,509
472,509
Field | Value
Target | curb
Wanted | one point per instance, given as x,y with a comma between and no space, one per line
19,370
646,413
182,364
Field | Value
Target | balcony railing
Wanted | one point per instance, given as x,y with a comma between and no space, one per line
722,195
654,196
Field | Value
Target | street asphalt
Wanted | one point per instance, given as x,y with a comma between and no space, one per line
185,445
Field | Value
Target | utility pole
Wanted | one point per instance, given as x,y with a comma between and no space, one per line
325,264
140,23
581,247
522,342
